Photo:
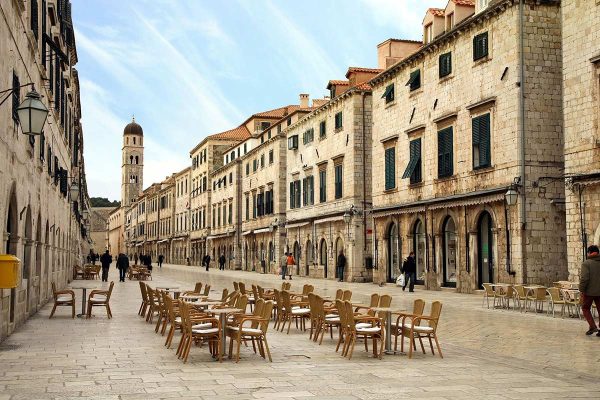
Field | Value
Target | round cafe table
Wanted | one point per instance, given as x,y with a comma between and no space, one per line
83,298
388,326
222,313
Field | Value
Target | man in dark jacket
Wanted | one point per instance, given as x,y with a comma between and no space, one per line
589,286
207,261
410,272
161,258
123,266
105,260
222,262
341,264
148,262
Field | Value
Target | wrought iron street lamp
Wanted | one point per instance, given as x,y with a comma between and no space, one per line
74,190
511,196
32,114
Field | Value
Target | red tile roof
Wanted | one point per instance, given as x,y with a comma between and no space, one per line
239,133
361,69
275,113
470,3
363,86
437,12
339,83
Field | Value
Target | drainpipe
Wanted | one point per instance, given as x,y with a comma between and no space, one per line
523,220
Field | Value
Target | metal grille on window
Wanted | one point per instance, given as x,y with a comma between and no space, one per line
445,158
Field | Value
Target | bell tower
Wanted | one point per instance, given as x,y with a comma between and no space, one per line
132,165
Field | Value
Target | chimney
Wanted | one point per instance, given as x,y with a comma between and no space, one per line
393,50
304,100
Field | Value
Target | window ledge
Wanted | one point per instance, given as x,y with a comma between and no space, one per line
482,60
482,170
417,185
390,191
336,130
446,78
445,179
390,104
416,92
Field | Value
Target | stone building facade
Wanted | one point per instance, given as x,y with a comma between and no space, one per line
132,164
116,231
455,125
181,214
41,220
327,176
99,228
581,107
166,218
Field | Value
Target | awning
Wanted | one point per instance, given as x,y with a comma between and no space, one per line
298,225
261,230
162,241
470,202
247,233
176,239
221,235
330,219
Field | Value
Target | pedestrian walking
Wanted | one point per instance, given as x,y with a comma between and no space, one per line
341,264
409,268
207,261
284,265
135,259
222,262
160,260
148,262
122,266
105,260
589,287
291,261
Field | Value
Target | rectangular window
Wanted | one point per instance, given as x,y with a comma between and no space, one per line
481,141
339,181
245,148
230,212
339,123
413,170
44,8
292,196
414,81
322,129
480,46
34,18
308,135
390,168
42,146
264,126
271,159
445,153
230,178
297,193
278,129
247,169
293,142
388,95
322,186
305,192
254,165
262,160
445,64
262,139
247,207
253,205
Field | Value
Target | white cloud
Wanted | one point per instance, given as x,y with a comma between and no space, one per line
406,16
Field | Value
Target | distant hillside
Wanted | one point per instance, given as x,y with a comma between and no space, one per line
103,202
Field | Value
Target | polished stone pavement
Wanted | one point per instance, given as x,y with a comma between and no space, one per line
488,354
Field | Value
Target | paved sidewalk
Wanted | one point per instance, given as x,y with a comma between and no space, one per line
488,354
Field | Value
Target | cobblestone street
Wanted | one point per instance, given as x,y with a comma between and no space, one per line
489,354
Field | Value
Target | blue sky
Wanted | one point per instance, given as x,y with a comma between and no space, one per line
190,68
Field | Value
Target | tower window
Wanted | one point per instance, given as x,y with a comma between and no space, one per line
130,159
136,160
133,140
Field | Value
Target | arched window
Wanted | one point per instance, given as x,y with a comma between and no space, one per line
137,160
134,140
419,247
449,256
130,159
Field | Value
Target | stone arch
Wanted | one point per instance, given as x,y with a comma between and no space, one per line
12,240
323,256
474,217
38,255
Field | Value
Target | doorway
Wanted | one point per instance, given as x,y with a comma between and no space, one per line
485,262
323,256
393,265
449,253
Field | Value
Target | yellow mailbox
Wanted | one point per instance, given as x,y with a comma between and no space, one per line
9,271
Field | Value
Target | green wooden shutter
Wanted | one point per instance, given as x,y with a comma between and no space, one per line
390,168
445,65
312,190
445,154
484,143
291,194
